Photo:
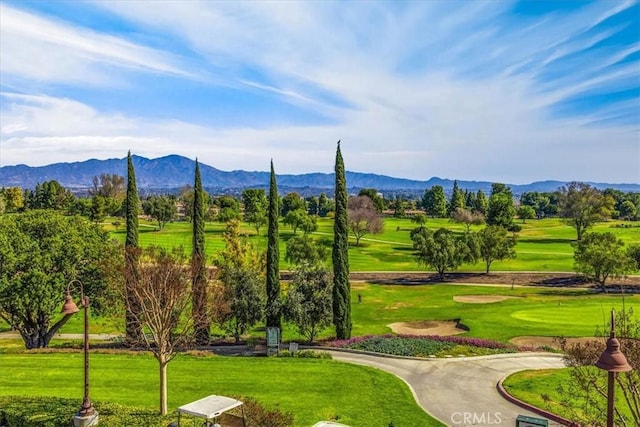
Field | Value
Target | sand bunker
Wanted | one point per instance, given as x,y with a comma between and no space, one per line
480,299
427,327
551,342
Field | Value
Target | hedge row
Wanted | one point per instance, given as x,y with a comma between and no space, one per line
20,411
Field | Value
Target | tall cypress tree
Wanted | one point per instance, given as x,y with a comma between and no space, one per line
132,252
340,255
198,264
273,308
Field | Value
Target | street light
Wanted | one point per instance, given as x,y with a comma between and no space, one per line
613,361
87,416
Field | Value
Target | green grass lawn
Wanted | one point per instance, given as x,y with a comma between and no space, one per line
543,245
533,386
311,389
533,311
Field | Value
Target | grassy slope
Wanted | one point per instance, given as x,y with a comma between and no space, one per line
531,386
358,395
544,245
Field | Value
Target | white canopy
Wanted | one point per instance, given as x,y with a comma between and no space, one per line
210,406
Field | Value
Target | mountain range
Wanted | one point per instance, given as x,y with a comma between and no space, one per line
174,172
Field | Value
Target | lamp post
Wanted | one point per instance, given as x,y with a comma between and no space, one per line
87,415
613,361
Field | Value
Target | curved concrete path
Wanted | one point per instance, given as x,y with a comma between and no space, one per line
461,391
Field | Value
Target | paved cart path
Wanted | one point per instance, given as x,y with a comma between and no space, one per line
460,391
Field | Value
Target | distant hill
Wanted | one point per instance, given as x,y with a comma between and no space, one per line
172,172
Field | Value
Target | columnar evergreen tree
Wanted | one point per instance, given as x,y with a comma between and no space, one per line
198,264
340,255
132,252
457,198
273,309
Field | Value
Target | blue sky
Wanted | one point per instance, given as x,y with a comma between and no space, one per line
477,90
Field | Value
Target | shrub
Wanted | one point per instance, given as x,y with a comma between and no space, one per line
20,411
420,346
304,354
258,416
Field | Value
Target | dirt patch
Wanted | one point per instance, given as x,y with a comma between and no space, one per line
551,342
427,327
480,299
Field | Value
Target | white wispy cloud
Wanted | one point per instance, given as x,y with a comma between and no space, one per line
418,89
43,49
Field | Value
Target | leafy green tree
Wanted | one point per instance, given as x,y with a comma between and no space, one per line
376,198
457,198
633,251
308,302
238,299
526,212
3,204
199,279
471,199
273,308
481,204
500,188
40,253
495,244
292,202
582,205
303,249
539,202
229,208
13,198
98,209
163,209
399,207
340,254
132,253
324,205
363,217
501,211
440,250
313,205
419,219
255,208
599,256
49,195
628,210
295,219
112,188
434,202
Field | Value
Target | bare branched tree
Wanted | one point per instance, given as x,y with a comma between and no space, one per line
585,395
363,217
163,297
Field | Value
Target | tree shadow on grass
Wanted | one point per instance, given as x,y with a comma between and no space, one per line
543,241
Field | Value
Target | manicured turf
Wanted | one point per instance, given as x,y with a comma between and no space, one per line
311,389
534,311
543,245
531,386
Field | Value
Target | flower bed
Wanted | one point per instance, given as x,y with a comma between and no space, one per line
425,346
